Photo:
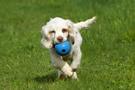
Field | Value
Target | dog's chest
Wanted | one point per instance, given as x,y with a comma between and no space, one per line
68,56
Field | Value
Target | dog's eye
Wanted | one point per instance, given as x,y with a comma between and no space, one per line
64,30
52,32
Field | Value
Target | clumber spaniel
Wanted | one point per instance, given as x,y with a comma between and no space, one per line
58,30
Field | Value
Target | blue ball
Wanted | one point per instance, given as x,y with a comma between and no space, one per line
63,48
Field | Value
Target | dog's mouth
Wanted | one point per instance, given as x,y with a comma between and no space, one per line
57,43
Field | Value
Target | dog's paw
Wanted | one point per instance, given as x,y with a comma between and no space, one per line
67,70
74,76
69,73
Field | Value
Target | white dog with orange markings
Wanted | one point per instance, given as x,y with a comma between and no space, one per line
58,30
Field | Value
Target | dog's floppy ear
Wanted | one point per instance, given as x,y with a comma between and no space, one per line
71,31
46,38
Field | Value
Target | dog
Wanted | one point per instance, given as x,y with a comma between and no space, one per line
58,30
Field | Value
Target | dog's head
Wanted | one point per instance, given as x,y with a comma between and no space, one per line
57,30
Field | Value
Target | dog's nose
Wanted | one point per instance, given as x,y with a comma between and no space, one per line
60,38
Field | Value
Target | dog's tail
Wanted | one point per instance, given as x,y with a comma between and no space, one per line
84,24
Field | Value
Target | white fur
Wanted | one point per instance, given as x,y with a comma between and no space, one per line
55,26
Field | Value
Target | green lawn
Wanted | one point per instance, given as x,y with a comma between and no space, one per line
108,48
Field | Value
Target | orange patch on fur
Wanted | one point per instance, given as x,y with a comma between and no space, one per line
62,76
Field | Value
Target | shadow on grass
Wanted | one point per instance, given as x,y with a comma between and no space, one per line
49,78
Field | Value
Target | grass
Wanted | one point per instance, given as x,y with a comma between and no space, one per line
108,60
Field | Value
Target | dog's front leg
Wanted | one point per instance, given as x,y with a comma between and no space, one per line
60,64
76,59
76,62
63,66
